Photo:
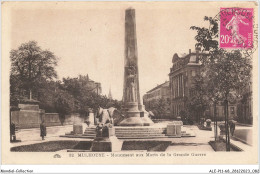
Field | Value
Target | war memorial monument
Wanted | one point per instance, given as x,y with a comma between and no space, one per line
133,122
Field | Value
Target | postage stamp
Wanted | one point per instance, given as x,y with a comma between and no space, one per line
236,28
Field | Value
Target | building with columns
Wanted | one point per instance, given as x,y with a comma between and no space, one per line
244,106
184,69
182,74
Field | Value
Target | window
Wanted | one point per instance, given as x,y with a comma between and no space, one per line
193,73
193,58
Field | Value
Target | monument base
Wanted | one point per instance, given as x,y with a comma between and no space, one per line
147,121
106,144
77,129
174,129
132,121
136,116
145,116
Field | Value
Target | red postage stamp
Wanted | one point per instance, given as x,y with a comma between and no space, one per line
236,28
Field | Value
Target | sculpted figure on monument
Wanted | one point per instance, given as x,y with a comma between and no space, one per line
110,115
130,81
104,116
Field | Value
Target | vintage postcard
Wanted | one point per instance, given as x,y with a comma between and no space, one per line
130,83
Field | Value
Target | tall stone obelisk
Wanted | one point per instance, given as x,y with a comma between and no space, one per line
131,94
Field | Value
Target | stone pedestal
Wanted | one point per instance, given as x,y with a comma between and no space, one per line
91,118
208,123
132,116
108,144
132,121
145,116
174,129
106,141
29,115
77,129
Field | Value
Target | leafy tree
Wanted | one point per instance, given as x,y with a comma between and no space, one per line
30,64
33,70
160,107
15,90
198,102
64,103
226,71
83,90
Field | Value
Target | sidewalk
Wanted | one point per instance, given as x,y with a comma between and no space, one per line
241,145
242,124
31,136
197,143
236,141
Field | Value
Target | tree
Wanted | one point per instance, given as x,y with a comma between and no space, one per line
30,64
64,103
160,107
225,71
84,92
15,90
198,102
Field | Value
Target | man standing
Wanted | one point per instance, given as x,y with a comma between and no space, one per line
43,130
12,132
232,127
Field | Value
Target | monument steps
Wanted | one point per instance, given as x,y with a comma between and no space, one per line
137,134
89,131
78,136
138,130
142,127
141,135
130,132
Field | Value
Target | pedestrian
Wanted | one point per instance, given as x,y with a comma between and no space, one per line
12,132
232,127
43,130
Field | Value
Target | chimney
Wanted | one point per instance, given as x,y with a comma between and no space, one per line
198,49
189,51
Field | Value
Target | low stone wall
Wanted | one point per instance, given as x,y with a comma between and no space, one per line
25,119
73,119
52,119
244,135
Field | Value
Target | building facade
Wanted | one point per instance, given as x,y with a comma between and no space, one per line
159,93
91,85
182,74
244,106
220,113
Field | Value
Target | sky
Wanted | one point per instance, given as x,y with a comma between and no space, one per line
88,38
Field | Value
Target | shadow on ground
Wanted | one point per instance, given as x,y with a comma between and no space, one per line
53,146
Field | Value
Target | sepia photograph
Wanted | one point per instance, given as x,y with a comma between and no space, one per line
130,82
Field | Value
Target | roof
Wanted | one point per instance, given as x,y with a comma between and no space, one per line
183,56
158,86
